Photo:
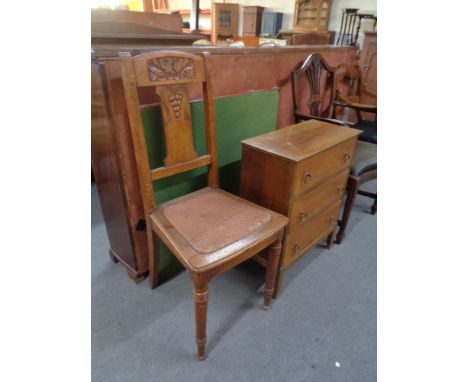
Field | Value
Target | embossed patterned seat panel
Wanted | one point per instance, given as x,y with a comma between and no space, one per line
211,220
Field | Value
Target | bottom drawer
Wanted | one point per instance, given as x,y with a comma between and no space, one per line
300,239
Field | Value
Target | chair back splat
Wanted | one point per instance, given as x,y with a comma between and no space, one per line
321,86
170,74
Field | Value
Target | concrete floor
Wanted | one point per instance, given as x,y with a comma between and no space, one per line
322,328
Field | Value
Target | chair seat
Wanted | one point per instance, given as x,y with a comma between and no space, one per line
369,131
210,226
364,159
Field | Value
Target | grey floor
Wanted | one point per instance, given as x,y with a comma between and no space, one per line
322,328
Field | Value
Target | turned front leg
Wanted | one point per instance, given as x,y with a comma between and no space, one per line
200,299
274,254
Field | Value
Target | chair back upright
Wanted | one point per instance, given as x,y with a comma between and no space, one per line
171,74
320,89
348,82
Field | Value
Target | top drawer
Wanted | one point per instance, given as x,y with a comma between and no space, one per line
312,171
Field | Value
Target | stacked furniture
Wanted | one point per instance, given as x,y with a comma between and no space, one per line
312,82
299,171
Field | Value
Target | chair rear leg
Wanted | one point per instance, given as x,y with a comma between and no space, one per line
274,254
153,257
353,184
374,206
370,195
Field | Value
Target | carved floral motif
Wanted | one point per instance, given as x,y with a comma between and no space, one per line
170,68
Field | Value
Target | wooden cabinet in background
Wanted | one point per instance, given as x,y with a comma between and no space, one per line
252,21
300,171
312,14
224,21
114,173
271,23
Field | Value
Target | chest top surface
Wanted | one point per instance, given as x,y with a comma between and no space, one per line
301,141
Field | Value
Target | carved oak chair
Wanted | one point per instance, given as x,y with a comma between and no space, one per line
321,89
350,91
210,230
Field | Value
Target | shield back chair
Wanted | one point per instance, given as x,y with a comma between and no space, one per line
314,98
209,230
352,93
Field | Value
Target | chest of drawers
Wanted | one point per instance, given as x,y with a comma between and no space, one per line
300,171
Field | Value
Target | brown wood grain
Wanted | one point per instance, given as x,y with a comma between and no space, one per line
261,173
301,141
122,153
163,172
172,23
107,176
311,38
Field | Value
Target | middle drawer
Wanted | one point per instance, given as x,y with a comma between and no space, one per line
309,205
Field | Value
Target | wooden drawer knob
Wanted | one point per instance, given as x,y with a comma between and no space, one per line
296,249
303,215
347,157
307,177
332,220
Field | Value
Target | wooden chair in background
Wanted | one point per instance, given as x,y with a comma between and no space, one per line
321,89
352,93
210,230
